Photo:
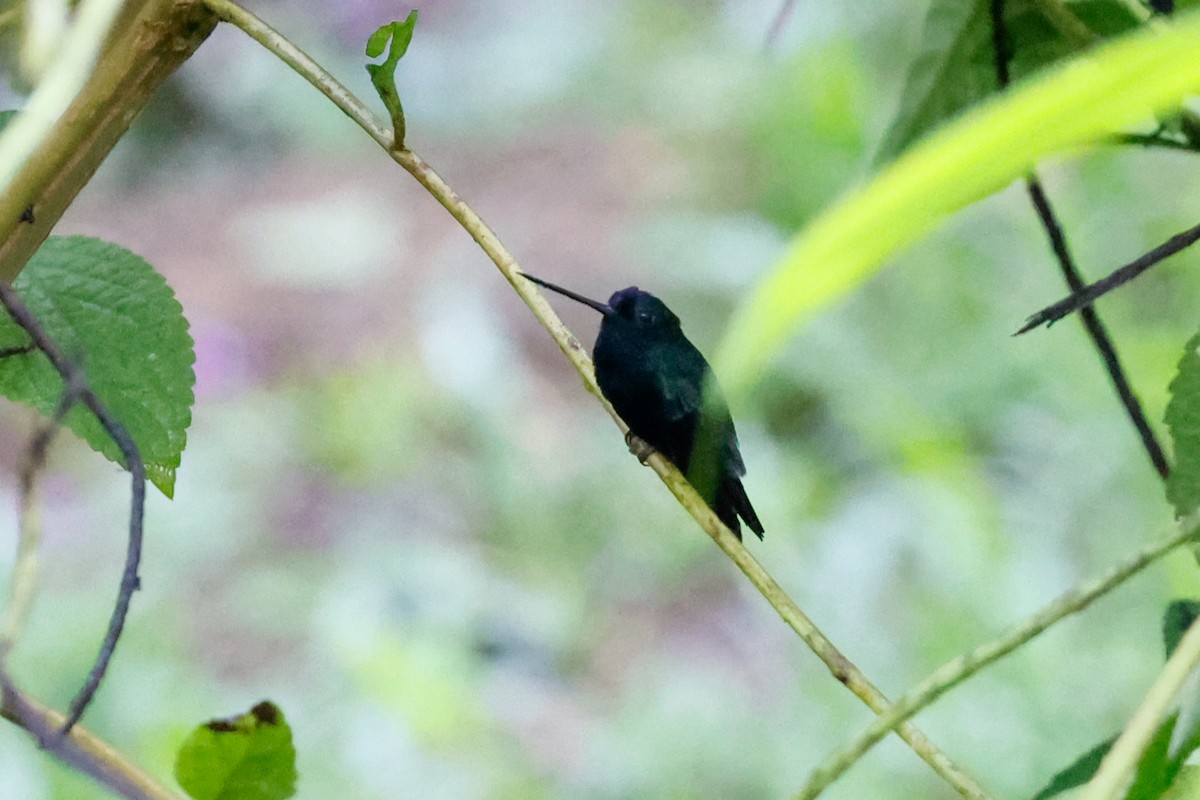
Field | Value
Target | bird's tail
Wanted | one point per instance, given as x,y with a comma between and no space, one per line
733,503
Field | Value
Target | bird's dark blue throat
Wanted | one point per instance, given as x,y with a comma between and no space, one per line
664,390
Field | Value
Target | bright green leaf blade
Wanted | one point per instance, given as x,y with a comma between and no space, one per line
1079,772
1183,420
250,757
1116,84
114,316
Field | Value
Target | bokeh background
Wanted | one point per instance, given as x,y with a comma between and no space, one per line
400,517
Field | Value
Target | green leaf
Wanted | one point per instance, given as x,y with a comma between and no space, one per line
5,118
383,76
1106,17
250,757
1186,785
1156,769
1119,83
1078,773
117,319
1183,420
956,67
1178,617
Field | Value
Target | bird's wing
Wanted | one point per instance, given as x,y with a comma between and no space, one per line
680,385
682,401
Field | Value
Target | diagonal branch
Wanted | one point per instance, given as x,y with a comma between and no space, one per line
841,667
954,672
81,749
1058,242
1117,278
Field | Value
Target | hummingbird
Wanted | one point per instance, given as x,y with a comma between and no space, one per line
664,389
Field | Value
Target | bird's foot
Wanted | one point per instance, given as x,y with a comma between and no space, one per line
639,447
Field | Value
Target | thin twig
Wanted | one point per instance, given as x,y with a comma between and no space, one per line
80,749
1118,277
838,664
1058,243
954,672
1099,335
1119,763
137,470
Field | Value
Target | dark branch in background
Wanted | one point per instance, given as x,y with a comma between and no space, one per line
76,390
1058,242
1095,328
1118,277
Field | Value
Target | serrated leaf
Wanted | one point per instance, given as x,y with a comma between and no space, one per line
117,319
1119,83
1183,421
383,76
249,757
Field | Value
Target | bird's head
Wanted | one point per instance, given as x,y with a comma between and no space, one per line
642,309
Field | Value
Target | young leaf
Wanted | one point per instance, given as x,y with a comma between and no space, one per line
119,322
250,757
1117,84
383,75
1183,420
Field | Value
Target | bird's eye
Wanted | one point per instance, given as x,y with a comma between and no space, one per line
645,317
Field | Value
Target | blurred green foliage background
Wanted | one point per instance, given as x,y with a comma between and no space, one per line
401,518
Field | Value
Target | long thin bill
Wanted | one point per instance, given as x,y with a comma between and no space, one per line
578,298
